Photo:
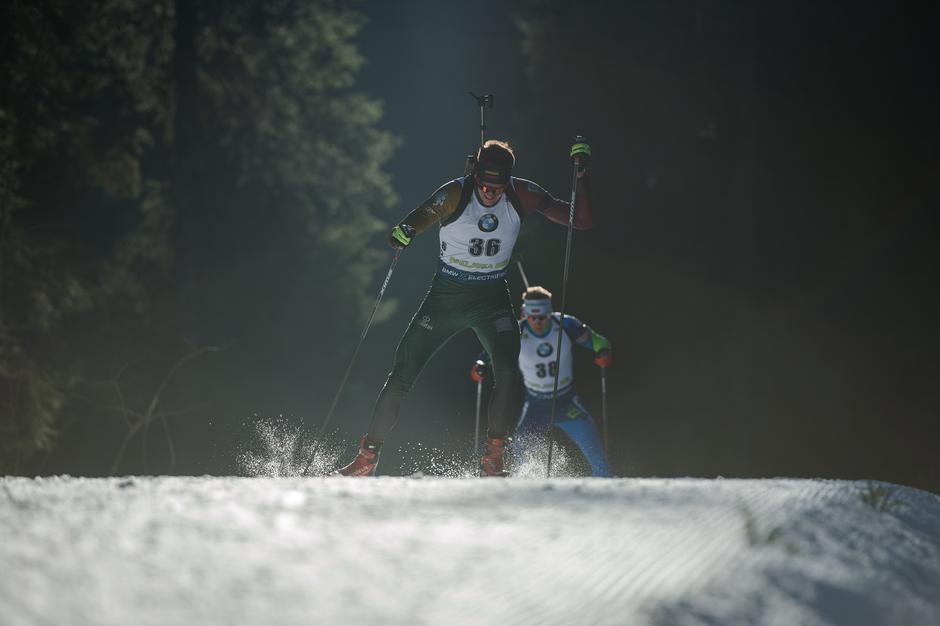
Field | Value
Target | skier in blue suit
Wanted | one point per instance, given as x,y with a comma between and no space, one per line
537,361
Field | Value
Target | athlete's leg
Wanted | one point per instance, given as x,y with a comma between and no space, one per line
499,335
574,462
534,417
578,424
429,329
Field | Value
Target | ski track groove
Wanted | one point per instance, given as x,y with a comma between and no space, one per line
706,543
709,542
396,551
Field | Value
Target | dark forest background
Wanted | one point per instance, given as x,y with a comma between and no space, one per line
194,198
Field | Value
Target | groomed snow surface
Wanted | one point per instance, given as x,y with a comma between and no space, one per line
262,550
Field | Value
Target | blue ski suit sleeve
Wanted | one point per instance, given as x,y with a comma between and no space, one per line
583,335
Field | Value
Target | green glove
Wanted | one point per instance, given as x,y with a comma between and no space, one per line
580,149
401,236
599,342
581,153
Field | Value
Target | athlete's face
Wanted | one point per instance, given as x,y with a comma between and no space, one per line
538,323
489,194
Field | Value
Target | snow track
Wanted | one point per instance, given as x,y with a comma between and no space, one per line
233,551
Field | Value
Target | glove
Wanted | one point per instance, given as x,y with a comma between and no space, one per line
479,371
401,236
581,152
604,358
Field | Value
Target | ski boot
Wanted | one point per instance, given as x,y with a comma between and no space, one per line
492,462
365,461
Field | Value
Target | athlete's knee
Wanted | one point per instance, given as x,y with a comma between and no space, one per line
396,385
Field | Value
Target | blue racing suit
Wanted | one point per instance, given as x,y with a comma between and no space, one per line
537,362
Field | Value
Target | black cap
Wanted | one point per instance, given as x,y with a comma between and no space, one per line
494,164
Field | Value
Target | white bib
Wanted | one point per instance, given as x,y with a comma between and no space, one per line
477,246
537,359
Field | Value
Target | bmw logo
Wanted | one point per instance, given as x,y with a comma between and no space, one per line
488,223
544,349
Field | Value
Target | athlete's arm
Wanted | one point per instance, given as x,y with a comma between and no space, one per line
584,335
579,332
535,199
439,206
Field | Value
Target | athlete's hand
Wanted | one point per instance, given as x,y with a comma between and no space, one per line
401,236
604,358
479,371
581,154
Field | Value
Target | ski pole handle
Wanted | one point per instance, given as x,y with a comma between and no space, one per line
580,152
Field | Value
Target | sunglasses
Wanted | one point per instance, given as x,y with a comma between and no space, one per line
488,188
537,318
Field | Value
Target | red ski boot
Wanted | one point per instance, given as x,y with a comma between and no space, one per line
364,463
492,462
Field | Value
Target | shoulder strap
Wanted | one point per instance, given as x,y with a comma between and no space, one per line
465,194
513,198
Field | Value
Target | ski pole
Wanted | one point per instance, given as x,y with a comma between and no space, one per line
365,330
604,408
476,428
564,293
525,280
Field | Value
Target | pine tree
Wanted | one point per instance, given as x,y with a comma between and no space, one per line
161,163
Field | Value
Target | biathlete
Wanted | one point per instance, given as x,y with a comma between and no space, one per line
479,217
537,362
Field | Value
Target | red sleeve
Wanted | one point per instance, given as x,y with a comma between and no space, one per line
533,198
